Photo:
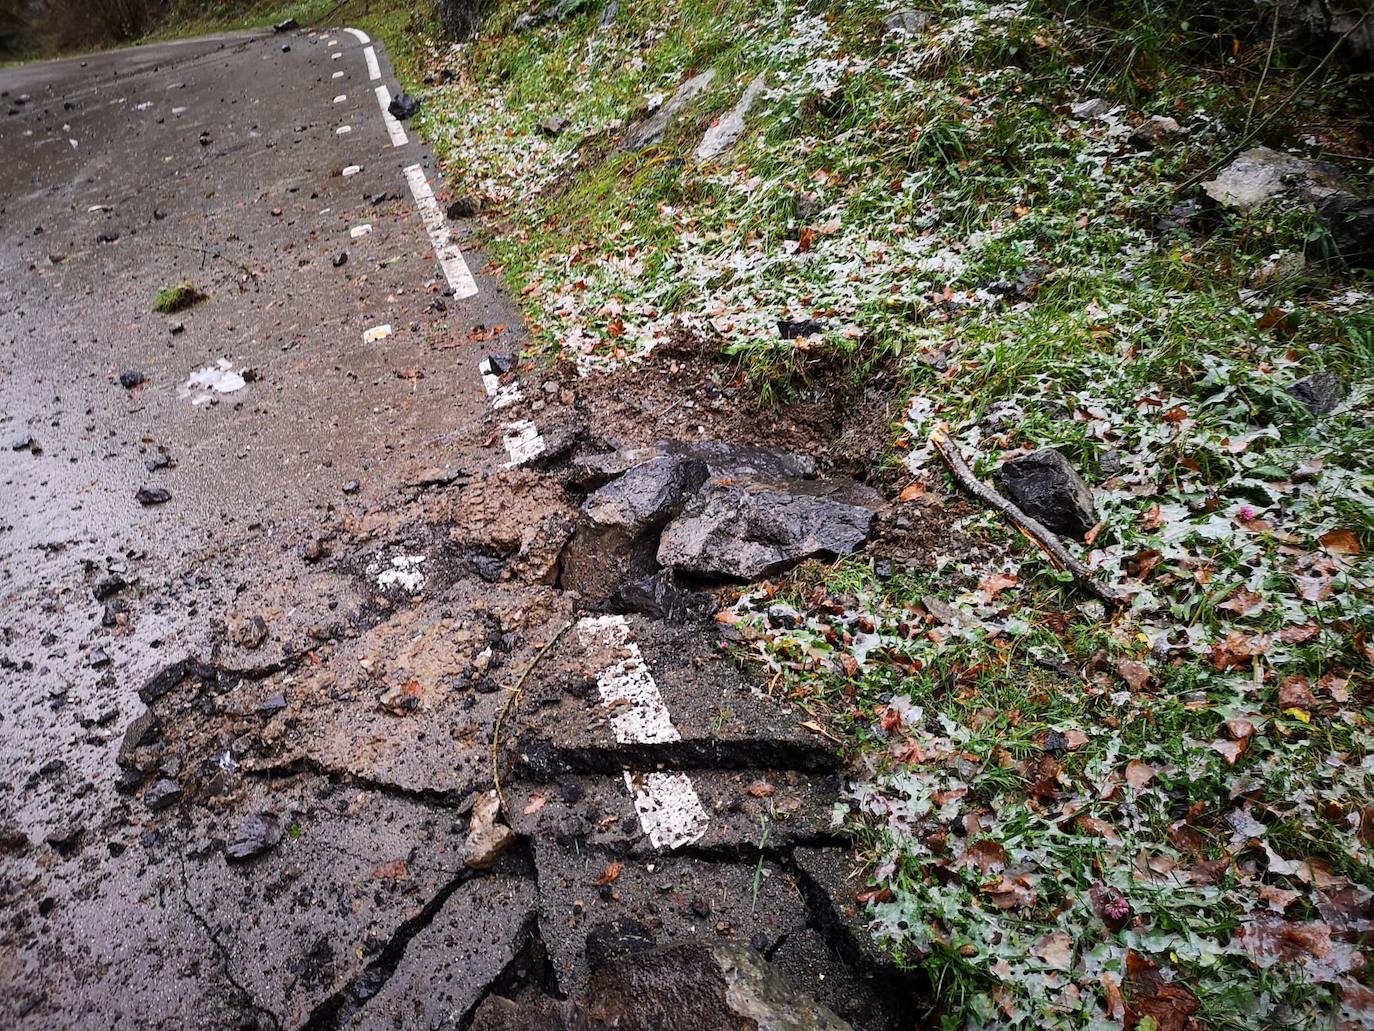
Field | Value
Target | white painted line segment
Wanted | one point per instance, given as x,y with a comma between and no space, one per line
343,130
351,170
669,809
638,714
374,72
449,254
522,441
376,333
394,128
336,56
341,98
361,230
337,75
361,36
501,396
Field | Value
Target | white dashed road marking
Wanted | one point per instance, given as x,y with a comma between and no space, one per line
449,255
669,809
394,128
373,71
522,441
343,130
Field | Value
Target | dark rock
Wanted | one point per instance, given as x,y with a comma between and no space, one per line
162,794
256,834
108,586
13,840
569,788
174,675
65,838
622,936
285,26
488,567
251,633
1260,175
158,461
130,378
129,781
1320,392
177,328
464,207
615,539
147,495
27,443
352,487
1347,237
204,139
404,106
272,705
140,732
540,1013
659,597
693,987
340,260
1049,490
741,530
286,48
99,657
501,362
790,330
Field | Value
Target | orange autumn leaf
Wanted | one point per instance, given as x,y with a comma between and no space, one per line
912,491
609,874
1135,673
1339,542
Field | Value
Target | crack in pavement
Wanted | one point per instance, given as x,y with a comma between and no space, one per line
221,949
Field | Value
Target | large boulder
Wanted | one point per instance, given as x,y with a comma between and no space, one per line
742,529
1049,490
617,532
1347,236
1259,175
649,129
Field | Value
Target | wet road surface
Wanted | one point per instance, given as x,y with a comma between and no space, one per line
245,728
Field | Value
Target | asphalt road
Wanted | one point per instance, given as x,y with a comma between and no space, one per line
311,636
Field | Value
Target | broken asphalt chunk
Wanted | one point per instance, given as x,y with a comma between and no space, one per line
257,834
147,495
404,106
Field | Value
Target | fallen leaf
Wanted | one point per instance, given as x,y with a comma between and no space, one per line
535,804
1135,673
1237,650
609,874
913,491
1010,893
1269,940
396,870
1055,950
873,895
1231,751
1339,542
1152,1002
1244,603
1299,633
987,855
1139,773
1295,692
761,789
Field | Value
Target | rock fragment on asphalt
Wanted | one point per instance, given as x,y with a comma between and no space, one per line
148,495
404,106
487,836
257,834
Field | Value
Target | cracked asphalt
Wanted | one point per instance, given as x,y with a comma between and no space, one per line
244,730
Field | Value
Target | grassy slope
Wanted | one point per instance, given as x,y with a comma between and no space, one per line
1058,799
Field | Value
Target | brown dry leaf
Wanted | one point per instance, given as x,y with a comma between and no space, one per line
1333,682
535,804
1095,827
761,789
1075,738
1231,751
1270,938
1055,950
1135,673
1138,773
807,240
995,583
1239,728
890,721
1295,692
872,895
985,854
1115,1001
1299,633
1339,542
1154,518
1168,1004
1278,899
913,491
1244,603
1010,893
609,874
1315,588
1237,650
396,870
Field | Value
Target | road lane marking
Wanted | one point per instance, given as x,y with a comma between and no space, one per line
376,333
670,812
361,230
445,249
373,71
501,396
341,98
394,128
343,130
361,36
337,75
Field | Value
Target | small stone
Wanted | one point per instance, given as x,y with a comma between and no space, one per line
796,330
162,794
340,259
464,207
152,496
99,658
352,487
286,48
177,328
256,834
403,106
108,586
569,788
1260,175
487,838
906,20
553,125
130,378
158,461
1320,392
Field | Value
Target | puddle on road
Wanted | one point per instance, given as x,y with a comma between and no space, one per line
204,384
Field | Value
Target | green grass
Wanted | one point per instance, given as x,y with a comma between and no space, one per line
177,297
